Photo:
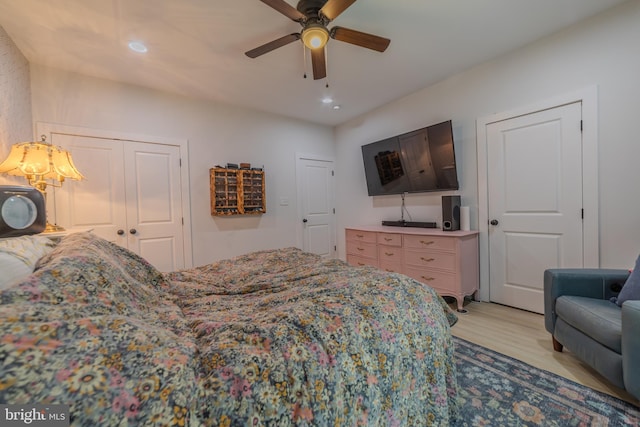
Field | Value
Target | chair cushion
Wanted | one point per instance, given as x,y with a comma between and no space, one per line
599,319
631,288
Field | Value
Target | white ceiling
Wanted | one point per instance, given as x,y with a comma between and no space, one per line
196,47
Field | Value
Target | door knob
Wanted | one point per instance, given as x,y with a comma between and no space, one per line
305,220
120,232
133,231
494,222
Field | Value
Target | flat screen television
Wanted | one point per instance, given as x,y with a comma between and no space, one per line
419,161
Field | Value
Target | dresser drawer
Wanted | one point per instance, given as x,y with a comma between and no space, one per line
389,254
390,266
390,239
429,259
362,249
361,236
358,261
430,242
438,280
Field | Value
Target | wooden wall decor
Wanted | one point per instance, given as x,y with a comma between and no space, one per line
237,191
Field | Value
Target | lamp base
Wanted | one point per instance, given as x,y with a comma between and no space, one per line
53,228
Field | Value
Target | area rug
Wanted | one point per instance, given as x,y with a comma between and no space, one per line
497,390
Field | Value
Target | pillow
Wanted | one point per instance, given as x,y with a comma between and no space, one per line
18,257
13,270
631,288
29,249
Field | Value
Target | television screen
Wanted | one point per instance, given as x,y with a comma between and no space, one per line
418,161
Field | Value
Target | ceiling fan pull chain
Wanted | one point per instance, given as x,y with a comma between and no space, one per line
326,62
304,59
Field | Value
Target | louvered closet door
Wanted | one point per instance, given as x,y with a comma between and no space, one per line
131,196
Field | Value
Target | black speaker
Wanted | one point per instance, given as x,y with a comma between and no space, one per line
22,211
450,213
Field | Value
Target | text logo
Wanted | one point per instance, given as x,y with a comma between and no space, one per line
34,415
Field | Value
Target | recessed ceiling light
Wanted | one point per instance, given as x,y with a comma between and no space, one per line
336,107
327,100
138,47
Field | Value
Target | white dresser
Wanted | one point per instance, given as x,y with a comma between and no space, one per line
445,260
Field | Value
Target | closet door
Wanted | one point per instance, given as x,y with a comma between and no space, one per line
131,196
154,214
98,202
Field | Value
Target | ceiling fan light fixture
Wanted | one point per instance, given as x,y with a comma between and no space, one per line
315,36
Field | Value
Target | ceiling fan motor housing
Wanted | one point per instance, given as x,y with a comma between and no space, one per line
311,8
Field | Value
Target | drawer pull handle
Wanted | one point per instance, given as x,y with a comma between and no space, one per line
428,279
361,264
430,242
360,236
388,253
427,259
388,239
360,249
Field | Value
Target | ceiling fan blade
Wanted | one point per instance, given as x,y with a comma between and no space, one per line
319,64
268,47
333,8
286,9
360,39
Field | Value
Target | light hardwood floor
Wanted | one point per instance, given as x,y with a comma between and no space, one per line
521,334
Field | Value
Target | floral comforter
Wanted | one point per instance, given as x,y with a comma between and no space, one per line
272,338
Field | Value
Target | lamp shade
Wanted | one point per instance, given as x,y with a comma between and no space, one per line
62,166
39,161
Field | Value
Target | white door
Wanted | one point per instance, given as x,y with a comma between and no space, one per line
154,214
96,202
131,196
316,206
535,202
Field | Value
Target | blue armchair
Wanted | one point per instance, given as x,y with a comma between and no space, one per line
580,317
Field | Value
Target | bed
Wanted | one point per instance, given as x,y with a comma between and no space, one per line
274,338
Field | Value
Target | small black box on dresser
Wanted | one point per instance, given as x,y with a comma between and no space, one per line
451,213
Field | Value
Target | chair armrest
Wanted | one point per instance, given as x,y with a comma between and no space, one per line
631,347
597,283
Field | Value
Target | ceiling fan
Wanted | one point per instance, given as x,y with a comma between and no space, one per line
314,16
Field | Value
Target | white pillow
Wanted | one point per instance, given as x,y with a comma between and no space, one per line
18,257
13,270
27,248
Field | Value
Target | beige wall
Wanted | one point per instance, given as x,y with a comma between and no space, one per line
216,134
601,52
15,100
